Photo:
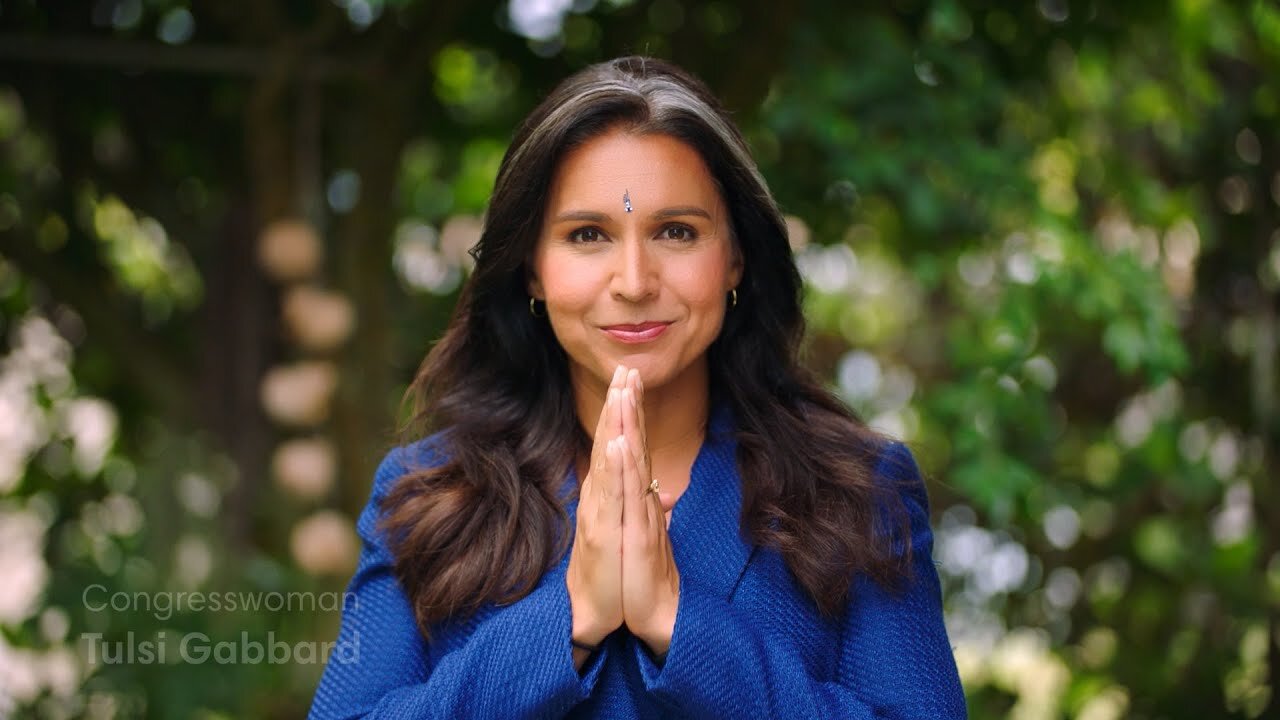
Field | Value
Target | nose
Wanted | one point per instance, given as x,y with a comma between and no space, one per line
635,275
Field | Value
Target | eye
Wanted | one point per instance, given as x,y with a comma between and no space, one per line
682,233
585,235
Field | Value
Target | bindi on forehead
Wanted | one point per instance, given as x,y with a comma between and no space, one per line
664,172
668,213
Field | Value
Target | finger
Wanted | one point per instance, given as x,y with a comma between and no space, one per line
615,426
639,386
633,431
613,413
633,505
661,523
602,434
596,470
652,511
614,429
609,509
646,462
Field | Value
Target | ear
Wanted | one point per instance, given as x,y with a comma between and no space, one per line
735,267
533,284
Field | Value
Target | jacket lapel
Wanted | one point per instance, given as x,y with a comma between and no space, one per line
708,545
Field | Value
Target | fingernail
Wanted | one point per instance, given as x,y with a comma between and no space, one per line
631,397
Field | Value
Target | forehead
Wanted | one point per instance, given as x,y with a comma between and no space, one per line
653,169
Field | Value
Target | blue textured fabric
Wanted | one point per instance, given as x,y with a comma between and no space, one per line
748,643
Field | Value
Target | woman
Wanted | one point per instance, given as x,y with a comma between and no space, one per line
739,545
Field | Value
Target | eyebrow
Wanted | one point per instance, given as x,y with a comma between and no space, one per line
663,214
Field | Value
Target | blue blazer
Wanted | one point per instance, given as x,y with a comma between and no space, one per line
748,643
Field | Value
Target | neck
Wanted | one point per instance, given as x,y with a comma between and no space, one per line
675,412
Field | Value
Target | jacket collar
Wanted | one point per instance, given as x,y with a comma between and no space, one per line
706,538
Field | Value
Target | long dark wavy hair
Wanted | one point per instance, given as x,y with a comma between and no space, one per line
485,525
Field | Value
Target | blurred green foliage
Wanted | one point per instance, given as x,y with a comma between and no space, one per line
1041,243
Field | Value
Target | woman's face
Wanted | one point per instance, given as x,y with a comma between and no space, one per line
635,258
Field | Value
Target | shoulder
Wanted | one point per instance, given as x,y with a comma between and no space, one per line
896,467
896,489
396,463
890,460
401,460
902,495
893,467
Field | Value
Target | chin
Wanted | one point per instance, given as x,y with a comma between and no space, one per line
640,361
650,368
654,371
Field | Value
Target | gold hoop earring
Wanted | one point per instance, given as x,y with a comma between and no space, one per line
533,308
733,298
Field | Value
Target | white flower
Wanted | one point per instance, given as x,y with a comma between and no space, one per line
305,467
324,543
318,319
22,566
289,250
299,394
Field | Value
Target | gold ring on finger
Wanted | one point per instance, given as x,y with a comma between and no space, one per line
653,486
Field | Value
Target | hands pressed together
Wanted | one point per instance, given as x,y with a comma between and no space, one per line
621,568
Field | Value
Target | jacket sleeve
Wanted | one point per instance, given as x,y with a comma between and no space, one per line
896,661
518,662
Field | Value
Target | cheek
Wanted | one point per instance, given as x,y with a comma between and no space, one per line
570,289
702,283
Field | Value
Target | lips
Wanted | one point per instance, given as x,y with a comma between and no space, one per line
637,328
636,333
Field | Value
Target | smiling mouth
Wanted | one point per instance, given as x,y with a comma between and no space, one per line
640,333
